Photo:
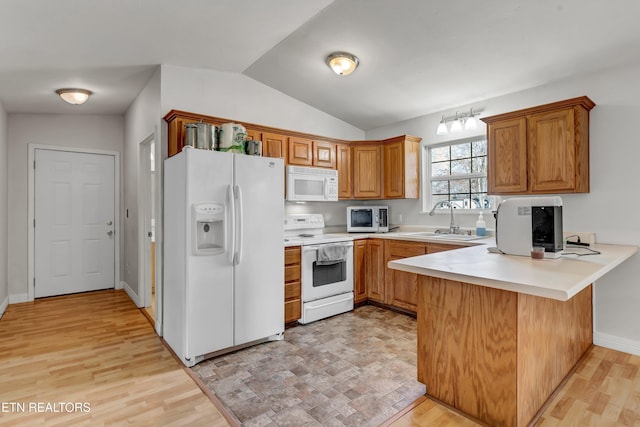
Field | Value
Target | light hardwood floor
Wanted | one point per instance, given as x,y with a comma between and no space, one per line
98,351
604,390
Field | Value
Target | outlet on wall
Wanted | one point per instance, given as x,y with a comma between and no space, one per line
580,236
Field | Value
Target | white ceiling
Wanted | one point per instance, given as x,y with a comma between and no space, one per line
417,56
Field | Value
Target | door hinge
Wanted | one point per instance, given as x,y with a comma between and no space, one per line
34,223
34,282
34,164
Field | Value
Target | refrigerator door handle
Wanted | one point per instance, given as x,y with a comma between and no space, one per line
240,224
231,247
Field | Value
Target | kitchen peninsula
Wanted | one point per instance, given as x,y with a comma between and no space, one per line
498,333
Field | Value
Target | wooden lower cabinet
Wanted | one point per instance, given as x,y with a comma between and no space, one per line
497,355
374,270
359,271
292,287
374,281
402,287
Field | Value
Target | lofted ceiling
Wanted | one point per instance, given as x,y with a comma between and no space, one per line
416,57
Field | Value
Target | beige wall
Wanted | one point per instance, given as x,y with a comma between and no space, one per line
83,131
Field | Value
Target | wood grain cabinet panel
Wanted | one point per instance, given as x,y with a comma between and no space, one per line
359,270
401,168
254,135
343,164
292,285
540,150
402,287
324,154
367,171
300,152
507,155
275,145
374,273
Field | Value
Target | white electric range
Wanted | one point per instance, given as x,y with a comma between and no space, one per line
326,266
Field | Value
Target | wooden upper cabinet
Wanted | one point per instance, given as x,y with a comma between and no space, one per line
253,135
507,154
324,155
300,152
367,171
552,150
540,150
345,174
274,145
401,168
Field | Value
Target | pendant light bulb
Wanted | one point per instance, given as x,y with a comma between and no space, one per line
471,122
442,127
456,125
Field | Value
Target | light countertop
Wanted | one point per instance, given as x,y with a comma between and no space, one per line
559,279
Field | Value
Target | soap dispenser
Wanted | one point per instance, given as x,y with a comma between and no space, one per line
481,229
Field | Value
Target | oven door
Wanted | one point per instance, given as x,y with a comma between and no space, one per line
325,280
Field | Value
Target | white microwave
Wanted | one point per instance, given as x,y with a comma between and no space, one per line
311,184
367,219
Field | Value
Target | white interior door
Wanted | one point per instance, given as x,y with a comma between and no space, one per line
74,211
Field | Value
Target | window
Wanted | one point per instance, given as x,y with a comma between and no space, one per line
456,173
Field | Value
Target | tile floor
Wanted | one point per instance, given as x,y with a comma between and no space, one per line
356,369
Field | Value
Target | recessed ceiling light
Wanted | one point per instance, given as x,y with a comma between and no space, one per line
74,96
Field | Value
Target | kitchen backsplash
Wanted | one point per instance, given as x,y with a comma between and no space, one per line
402,212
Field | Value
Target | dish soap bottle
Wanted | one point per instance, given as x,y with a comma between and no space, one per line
481,229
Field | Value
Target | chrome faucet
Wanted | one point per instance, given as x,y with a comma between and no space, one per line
453,228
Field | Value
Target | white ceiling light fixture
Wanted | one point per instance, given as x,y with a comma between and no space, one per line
459,122
74,96
442,127
342,63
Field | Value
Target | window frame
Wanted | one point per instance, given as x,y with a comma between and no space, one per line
427,202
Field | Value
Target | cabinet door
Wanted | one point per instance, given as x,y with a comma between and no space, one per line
254,135
300,152
324,155
367,161
552,160
359,270
274,145
507,160
394,170
292,286
375,270
343,154
402,287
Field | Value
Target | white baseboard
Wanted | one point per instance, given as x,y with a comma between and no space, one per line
17,298
616,343
4,305
134,297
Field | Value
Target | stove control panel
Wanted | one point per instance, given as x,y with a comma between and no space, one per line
303,221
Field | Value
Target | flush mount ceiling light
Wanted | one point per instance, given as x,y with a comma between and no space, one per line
74,96
342,63
459,122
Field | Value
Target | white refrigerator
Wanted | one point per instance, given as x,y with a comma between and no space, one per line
223,252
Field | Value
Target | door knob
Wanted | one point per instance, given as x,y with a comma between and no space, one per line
109,222
110,233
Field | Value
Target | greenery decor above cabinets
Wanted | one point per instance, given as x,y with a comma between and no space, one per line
540,150
367,170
